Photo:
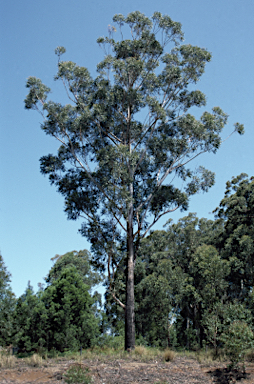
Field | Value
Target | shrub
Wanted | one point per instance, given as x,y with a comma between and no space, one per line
237,339
77,374
109,341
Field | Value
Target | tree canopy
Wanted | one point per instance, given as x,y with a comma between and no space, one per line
236,211
81,260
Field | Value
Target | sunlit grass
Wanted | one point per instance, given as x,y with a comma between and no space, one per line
35,360
140,353
107,353
7,361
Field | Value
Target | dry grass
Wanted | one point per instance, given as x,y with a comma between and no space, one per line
107,353
140,351
7,361
102,353
35,360
145,354
205,357
169,355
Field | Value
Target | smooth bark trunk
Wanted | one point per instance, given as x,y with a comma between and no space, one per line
129,310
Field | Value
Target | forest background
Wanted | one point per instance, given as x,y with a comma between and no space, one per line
193,289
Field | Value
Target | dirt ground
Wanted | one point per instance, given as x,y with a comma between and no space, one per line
180,371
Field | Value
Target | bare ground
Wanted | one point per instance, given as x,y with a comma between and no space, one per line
182,370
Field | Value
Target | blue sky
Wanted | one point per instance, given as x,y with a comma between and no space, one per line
33,226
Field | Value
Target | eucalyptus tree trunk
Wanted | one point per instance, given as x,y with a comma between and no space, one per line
129,309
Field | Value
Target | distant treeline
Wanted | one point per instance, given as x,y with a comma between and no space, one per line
193,283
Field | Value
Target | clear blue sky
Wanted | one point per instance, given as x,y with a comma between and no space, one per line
33,226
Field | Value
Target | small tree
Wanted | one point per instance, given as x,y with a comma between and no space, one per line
125,136
26,322
71,320
237,338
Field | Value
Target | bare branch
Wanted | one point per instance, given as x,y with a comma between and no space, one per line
119,222
117,300
159,183
156,219
67,92
110,135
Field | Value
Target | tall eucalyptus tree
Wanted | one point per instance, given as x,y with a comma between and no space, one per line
126,135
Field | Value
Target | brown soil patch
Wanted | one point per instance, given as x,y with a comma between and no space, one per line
180,371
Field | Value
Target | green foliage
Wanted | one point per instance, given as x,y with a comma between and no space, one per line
217,321
7,305
237,339
109,341
236,311
27,321
5,276
193,274
236,241
209,272
178,277
81,260
70,316
60,317
213,325
77,374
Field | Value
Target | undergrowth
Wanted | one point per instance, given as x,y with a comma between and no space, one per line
77,373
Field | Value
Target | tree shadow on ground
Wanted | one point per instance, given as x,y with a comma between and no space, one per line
227,376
